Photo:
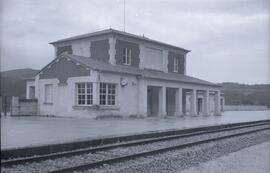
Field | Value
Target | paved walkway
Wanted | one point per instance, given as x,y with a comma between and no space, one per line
27,131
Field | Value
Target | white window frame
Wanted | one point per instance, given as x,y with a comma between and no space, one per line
86,94
110,94
175,64
127,56
48,93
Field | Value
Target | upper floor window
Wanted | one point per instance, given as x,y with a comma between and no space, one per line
107,94
175,64
48,93
127,56
84,93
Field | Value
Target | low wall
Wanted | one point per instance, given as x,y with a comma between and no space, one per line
23,106
244,108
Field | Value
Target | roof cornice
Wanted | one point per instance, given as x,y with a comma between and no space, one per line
116,32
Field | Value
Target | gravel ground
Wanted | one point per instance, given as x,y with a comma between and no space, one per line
249,160
173,161
50,165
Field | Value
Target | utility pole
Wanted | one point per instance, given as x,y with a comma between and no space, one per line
124,15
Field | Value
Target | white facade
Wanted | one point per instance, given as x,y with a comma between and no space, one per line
131,99
133,93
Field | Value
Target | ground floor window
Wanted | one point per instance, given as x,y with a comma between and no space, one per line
31,92
107,94
84,93
48,93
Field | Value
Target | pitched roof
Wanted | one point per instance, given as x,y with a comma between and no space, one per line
103,66
113,31
175,77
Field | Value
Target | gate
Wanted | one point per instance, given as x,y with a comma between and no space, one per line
5,105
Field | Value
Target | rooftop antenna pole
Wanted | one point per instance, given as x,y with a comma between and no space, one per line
124,15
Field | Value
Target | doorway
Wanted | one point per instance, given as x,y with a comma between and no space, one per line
152,101
170,101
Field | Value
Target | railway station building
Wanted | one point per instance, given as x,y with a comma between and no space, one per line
111,72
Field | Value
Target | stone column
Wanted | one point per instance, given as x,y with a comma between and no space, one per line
206,103
178,102
141,97
217,103
162,101
193,102
184,98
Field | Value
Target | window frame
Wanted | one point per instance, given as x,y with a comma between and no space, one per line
32,93
110,94
175,65
84,94
127,56
48,94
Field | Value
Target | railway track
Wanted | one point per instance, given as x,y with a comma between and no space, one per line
205,136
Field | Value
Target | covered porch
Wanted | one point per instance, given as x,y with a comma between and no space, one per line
182,100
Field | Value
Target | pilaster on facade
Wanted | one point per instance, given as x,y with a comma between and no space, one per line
185,64
162,101
90,43
178,102
96,93
193,102
141,56
112,51
165,60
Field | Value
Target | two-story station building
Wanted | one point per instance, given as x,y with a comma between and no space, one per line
112,72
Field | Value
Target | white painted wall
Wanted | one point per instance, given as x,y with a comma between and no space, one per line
64,97
131,99
127,95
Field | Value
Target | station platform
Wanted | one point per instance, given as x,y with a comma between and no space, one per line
19,132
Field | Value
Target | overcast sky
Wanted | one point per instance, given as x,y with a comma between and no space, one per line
228,39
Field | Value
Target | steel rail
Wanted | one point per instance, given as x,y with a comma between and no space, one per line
97,164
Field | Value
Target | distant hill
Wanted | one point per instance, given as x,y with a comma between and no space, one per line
241,94
13,82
